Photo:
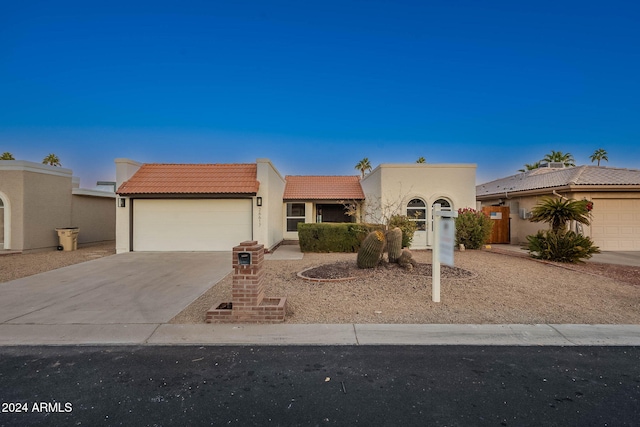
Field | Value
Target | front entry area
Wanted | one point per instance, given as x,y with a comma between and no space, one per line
191,224
332,213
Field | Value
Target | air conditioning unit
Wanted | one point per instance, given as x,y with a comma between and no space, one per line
524,214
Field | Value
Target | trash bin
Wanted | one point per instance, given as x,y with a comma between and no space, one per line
68,238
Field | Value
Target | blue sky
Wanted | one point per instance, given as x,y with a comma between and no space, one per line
317,85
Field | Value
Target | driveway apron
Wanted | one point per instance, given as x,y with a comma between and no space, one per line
129,288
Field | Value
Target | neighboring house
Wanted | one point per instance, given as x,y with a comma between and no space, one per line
615,193
35,199
200,207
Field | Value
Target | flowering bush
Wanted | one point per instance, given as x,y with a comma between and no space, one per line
473,228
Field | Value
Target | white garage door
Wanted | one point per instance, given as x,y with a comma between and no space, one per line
615,224
190,225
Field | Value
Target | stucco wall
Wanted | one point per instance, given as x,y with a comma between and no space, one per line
389,188
125,169
96,217
267,219
47,206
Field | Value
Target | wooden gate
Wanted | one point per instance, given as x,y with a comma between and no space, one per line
500,217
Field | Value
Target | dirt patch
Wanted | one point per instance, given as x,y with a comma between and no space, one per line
15,266
501,289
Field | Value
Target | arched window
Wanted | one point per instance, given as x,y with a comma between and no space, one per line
417,211
445,205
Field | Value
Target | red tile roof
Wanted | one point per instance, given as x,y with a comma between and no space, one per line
156,178
323,188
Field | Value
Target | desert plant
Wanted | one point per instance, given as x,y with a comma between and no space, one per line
406,260
394,244
371,250
473,228
561,246
407,227
558,212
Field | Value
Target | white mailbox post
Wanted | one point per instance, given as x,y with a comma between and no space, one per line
444,240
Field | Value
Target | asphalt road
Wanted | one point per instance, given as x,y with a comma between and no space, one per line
318,386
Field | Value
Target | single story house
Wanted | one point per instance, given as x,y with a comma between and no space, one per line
615,193
35,199
213,207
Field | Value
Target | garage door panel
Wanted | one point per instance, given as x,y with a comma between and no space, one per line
191,225
616,224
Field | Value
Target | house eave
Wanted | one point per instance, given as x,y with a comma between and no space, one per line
572,188
188,195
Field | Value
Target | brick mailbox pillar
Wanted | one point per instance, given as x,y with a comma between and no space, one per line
248,303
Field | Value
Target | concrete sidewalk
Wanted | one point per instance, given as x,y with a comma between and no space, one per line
320,334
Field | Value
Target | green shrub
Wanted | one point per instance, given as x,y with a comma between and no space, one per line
473,228
561,246
333,237
407,226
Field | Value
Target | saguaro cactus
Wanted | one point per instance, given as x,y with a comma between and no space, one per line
394,244
371,250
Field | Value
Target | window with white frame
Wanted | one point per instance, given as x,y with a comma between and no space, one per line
295,215
417,212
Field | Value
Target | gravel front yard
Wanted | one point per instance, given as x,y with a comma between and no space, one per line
501,289
15,266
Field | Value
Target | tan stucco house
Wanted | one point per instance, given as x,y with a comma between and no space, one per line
213,207
35,199
615,193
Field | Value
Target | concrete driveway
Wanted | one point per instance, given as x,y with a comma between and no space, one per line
130,288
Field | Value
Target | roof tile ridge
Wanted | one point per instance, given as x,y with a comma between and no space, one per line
578,174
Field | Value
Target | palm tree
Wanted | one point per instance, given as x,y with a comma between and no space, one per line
558,212
599,154
421,160
51,160
7,156
528,167
560,157
363,166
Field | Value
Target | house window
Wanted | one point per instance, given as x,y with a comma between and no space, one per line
295,215
417,212
445,205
